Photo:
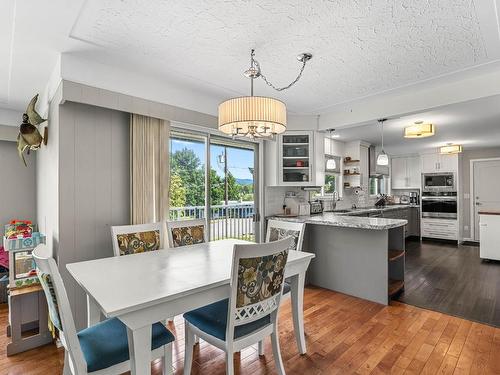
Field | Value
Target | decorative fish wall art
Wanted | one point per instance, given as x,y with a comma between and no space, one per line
29,137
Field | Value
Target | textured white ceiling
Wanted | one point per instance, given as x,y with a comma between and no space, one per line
474,124
360,47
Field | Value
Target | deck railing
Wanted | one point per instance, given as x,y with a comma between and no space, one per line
226,221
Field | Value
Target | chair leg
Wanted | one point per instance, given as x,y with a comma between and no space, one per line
229,363
67,365
261,347
189,343
167,360
275,341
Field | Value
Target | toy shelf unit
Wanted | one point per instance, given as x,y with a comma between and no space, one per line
21,265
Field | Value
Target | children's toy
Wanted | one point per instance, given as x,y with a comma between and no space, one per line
18,229
19,246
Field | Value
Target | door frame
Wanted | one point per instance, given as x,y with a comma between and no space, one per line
472,209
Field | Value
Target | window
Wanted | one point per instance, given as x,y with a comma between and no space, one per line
331,184
378,185
214,178
187,176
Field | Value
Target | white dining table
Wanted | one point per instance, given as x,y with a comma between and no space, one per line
145,288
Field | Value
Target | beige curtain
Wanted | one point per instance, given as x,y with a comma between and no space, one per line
149,169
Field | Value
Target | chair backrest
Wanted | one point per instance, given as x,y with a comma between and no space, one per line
186,232
59,307
257,276
277,230
139,238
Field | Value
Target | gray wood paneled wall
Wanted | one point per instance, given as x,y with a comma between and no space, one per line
94,180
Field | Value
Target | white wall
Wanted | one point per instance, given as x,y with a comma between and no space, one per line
17,187
47,179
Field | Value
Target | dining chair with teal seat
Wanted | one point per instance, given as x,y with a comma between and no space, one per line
101,349
277,230
251,312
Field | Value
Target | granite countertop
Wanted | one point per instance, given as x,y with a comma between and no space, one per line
367,210
343,221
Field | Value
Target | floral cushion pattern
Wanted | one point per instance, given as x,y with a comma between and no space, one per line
133,243
260,278
277,234
183,236
50,294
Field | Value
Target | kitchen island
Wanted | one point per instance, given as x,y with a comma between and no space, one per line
359,256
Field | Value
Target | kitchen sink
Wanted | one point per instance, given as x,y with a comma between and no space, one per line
340,211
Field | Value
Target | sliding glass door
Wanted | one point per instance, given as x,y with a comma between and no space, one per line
232,189
187,176
215,175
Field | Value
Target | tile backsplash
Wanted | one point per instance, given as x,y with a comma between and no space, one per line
274,196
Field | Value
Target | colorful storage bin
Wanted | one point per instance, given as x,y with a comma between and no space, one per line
24,243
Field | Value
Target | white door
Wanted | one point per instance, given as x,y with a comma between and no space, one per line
486,188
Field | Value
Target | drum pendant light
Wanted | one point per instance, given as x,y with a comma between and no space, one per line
382,158
256,116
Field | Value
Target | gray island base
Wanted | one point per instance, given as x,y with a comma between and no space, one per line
359,256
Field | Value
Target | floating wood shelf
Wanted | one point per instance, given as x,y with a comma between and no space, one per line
395,286
395,254
351,161
352,174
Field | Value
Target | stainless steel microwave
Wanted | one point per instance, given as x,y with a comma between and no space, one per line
438,182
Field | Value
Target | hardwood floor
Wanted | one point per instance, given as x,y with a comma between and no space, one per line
344,335
452,279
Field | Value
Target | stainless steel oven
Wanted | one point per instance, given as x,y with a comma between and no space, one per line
438,182
440,206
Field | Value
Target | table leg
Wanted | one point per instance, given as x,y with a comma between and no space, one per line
139,346
93,312
297,290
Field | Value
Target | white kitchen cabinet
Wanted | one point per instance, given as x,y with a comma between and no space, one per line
405,172
398,173
296,158
445,229
489,225
432,163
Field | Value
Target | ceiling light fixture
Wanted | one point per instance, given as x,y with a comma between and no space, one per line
419,130
382,158
450,148
256,116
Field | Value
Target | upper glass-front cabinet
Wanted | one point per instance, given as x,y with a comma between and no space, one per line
296,158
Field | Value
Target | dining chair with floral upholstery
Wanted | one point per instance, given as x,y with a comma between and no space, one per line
139,238
277,230
250,314
101,349
186,232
